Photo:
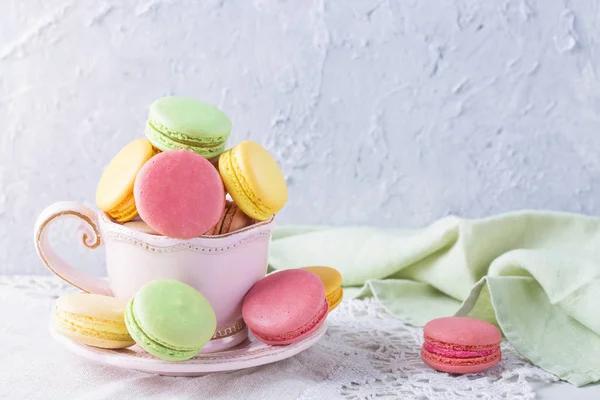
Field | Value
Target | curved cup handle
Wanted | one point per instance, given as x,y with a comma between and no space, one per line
89,234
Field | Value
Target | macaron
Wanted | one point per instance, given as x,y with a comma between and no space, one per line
332,281
461,345
285,307
92,319
170,320
232,219
114,194
253,179
179,194
181,123
140,226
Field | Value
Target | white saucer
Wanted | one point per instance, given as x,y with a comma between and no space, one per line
250,353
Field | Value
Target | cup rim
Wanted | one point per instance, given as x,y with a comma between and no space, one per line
261,225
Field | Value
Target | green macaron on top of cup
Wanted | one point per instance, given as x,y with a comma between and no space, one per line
181,123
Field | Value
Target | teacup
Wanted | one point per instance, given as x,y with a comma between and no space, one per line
223,268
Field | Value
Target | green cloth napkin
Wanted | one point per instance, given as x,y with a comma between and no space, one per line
534,274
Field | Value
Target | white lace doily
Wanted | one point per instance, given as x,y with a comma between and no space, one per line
366,354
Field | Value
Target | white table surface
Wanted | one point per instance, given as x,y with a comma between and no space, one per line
365,354
565,391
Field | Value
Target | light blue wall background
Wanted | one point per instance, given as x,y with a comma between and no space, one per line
389,113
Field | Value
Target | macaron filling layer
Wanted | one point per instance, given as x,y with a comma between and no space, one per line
459,347
317,319
151,344
96,328
445,352
125,210
66,326
79,319
168,138
233,172
495,356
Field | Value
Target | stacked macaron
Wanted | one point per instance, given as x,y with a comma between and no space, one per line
175,182
461,345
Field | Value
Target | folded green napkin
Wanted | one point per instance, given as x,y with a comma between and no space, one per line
534,274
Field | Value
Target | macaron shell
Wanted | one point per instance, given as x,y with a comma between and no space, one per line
254,180
174,314
460,365
335,298
233,186
235,219
190,116
284,305
140,226
462,332
151,345
92,319
216,229
179,194
124,211
332,281
227,219
116,184
91,338
93,305
263,175
296,336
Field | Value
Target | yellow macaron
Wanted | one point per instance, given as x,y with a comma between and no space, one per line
253,179
114,194
332,280
93,320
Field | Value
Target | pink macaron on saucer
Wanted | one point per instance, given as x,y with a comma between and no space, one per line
461,345
285,307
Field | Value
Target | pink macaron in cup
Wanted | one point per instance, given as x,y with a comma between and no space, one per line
179,194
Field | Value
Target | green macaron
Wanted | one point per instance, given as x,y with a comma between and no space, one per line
170,320
181,123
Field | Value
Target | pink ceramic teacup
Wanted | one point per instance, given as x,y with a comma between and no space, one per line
223,268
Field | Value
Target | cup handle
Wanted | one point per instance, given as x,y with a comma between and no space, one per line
90,236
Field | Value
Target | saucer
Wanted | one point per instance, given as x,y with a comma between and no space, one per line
250,353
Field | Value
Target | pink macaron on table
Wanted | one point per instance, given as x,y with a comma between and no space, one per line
461,345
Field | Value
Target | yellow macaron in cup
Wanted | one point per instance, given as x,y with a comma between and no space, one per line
114,194
253,179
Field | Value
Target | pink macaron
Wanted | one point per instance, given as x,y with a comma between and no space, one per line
461,345
285,306
179,194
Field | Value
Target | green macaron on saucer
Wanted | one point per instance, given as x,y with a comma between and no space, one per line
181,123
170,320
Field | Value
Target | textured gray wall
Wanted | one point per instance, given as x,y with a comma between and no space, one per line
389,113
